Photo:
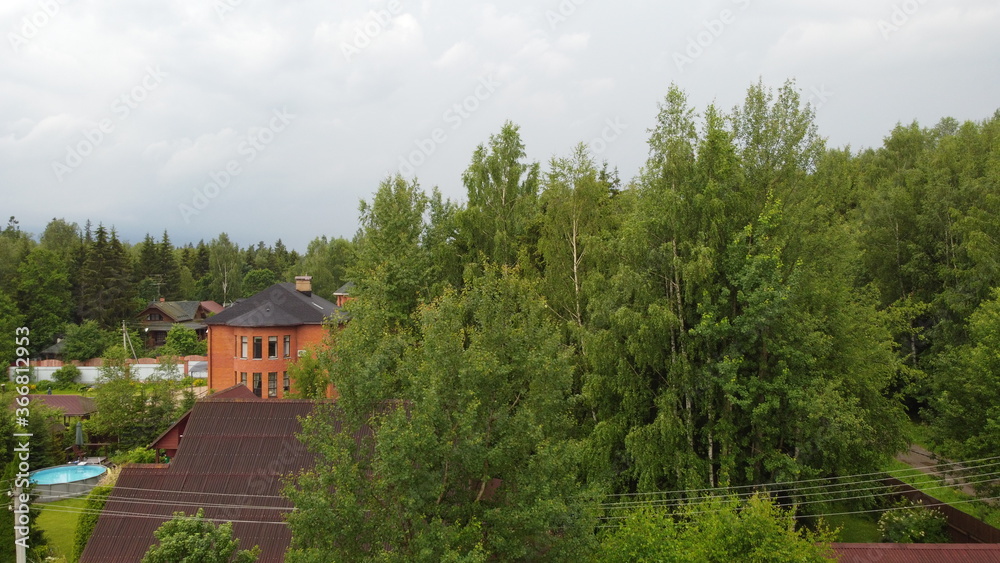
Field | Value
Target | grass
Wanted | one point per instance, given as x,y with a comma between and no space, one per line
934,487
854,528
60,527
920,435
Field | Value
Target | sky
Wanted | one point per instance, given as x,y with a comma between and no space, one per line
273,119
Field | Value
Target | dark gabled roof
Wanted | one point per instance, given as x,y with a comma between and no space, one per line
183,311
917,552
70,405
231,462
345,289
57,348
278,305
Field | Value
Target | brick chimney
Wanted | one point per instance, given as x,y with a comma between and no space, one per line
304,284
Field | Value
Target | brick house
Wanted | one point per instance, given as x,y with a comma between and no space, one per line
159,317
255,340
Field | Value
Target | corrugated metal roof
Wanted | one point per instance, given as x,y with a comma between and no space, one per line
231,461
278,305
917,552
70,405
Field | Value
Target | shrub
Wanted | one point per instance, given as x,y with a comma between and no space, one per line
66,376
908,522
135,455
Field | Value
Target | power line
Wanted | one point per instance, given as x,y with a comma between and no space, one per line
81,510
826,489
672,504
814,480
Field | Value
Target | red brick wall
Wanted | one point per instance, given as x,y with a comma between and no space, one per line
225,363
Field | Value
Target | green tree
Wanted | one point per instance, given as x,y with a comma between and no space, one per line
256,281
309,376
731,345
194,539
119,400
499,219
44,296
84,341
966,399
391,264
477,462
327,261
15,245
718,530
183,341
10,320
61,237
226,269
575,202
169,269
106,292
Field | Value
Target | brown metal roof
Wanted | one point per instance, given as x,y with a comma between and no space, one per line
238,391
70,405
918,552
231,461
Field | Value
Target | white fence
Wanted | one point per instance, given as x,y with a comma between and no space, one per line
142,371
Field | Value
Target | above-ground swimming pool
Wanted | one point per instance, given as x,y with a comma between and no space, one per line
66,481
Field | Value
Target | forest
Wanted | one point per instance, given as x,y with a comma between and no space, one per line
753,307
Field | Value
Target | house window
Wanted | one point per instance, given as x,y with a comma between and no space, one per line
243,347
243,377
285,383
154,317
256,384
272,347
272,384
288,346
258,347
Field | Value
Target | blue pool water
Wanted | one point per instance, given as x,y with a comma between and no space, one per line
65,474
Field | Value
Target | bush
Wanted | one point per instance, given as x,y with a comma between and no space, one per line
66,376
753,529
135,455
907,522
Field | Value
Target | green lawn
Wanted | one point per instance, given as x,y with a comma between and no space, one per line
60,527
854,528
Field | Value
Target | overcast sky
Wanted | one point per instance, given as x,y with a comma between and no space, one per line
125,112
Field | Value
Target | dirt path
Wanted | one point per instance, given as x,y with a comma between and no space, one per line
927,462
